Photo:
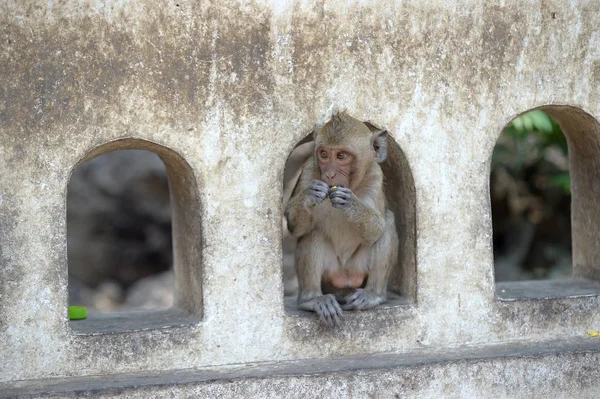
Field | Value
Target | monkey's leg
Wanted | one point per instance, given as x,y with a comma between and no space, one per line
384,256
313,256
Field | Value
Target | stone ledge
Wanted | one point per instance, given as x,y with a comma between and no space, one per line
514,291
133,320
566,366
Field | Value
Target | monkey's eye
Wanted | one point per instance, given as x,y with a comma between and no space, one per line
342,155
323,154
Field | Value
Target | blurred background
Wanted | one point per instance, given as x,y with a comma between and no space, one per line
531,200
119,218
119,233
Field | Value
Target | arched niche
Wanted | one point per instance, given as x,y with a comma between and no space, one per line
400,192
582,132
187,246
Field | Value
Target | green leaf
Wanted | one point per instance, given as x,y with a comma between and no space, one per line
535,120
563,181
517,123
541,121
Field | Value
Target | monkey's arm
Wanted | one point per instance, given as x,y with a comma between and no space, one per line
312,254
306,196
299,220
366,218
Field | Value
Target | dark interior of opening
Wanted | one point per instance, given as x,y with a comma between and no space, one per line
119,237
544,209
530,195
400,192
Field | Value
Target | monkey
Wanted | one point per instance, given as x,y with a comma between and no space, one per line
347,239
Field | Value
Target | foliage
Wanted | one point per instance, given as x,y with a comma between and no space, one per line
534,140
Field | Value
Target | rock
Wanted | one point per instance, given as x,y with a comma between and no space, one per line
151,292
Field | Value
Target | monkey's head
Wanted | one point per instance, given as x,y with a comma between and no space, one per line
345,148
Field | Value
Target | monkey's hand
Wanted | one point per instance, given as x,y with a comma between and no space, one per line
362,299
317,192
328,309
341,197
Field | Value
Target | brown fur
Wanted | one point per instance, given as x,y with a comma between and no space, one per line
345,250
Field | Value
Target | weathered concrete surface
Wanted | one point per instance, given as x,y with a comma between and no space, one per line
552,369
223,91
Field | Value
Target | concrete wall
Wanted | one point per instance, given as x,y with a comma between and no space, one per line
223,91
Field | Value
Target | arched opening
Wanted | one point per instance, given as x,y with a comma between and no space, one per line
544,192
134,238
531,200
400,194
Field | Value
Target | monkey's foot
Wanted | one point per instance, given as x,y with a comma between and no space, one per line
328,309
361,299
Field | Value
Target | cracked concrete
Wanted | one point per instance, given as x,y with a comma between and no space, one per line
223,91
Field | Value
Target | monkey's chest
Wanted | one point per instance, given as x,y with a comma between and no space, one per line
343,236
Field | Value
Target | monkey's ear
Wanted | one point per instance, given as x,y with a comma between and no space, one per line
379,142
